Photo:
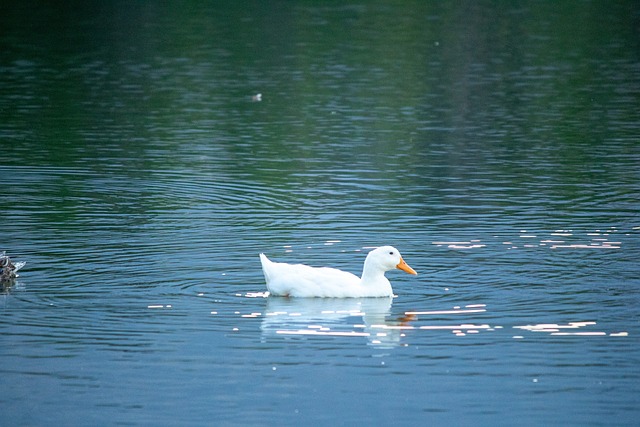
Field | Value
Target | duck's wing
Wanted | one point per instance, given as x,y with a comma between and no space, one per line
301,280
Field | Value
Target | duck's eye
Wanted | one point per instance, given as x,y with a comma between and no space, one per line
391,253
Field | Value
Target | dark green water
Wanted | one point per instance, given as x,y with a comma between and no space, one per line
496,144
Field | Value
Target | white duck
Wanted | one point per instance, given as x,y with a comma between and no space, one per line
298,280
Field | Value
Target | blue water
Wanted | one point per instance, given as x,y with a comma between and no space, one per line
494,145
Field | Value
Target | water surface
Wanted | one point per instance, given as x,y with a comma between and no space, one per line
496,145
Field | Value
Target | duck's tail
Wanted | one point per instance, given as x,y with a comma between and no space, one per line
266,263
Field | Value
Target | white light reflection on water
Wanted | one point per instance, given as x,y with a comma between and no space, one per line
331,317
591,240
558,329
322,317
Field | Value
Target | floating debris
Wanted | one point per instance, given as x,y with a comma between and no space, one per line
9,269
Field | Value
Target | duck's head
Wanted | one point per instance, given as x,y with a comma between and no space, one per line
388,258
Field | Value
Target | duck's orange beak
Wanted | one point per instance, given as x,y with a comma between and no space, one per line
405,267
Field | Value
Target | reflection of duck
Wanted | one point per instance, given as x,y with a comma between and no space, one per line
9,270
298,280
330,317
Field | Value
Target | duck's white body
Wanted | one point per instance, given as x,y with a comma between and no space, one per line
298,280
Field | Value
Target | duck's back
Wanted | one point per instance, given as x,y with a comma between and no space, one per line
299,280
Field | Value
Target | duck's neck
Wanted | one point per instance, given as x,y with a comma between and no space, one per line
373,277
